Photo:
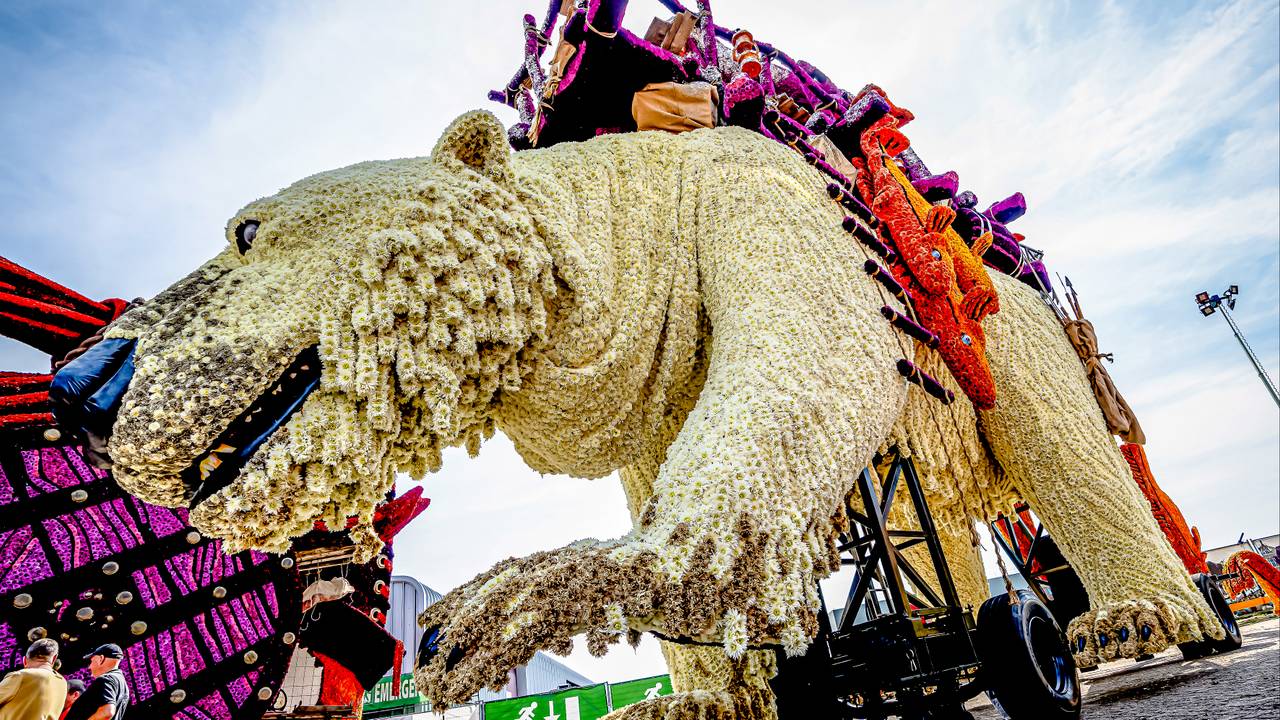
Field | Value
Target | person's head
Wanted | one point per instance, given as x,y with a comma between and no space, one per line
104,659
74,688
42,653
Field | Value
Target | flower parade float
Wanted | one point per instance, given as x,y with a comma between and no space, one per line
207,634
1253,571
707,268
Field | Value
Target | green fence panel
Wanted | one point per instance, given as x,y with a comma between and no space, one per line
633,691
587,703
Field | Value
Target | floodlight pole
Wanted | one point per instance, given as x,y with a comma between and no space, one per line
1209,304
1257,364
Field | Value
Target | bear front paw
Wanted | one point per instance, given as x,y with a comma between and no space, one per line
729,584
1126,630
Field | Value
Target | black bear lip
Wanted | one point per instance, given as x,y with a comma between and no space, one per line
220,464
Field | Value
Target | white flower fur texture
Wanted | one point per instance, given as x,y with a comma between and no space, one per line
683,307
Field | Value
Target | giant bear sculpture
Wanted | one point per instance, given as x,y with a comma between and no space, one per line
683,309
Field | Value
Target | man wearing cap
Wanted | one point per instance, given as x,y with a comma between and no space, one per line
37,691
107,697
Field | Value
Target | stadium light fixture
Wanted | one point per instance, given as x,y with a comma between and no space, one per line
1208,304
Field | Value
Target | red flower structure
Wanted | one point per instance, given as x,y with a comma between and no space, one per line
47,316
24,400
949,288
1253,571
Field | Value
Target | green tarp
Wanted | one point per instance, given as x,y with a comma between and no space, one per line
633,691
587,703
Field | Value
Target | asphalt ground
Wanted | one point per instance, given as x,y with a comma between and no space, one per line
1243,684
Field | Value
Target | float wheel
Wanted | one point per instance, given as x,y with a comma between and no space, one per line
1212,594
1026,662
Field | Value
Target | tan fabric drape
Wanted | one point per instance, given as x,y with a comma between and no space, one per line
675,107
1119,416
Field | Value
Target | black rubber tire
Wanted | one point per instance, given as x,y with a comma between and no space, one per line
1212,593
1026,663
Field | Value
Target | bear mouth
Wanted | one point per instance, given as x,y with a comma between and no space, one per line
220,464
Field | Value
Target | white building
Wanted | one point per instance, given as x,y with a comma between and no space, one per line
1264,546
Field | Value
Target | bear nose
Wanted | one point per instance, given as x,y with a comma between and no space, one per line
86,393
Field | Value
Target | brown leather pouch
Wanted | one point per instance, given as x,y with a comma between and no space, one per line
658,29
677,39
675,107
672,36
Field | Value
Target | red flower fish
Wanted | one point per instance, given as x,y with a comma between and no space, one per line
949,288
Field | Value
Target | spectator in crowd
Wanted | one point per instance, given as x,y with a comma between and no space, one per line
74,689
37,691
107,697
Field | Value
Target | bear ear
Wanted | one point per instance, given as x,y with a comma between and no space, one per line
476,139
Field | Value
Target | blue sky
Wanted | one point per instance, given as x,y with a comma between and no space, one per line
1146,137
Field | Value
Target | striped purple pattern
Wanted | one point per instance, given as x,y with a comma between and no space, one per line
85,563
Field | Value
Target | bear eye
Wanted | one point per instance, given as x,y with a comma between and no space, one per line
245,233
